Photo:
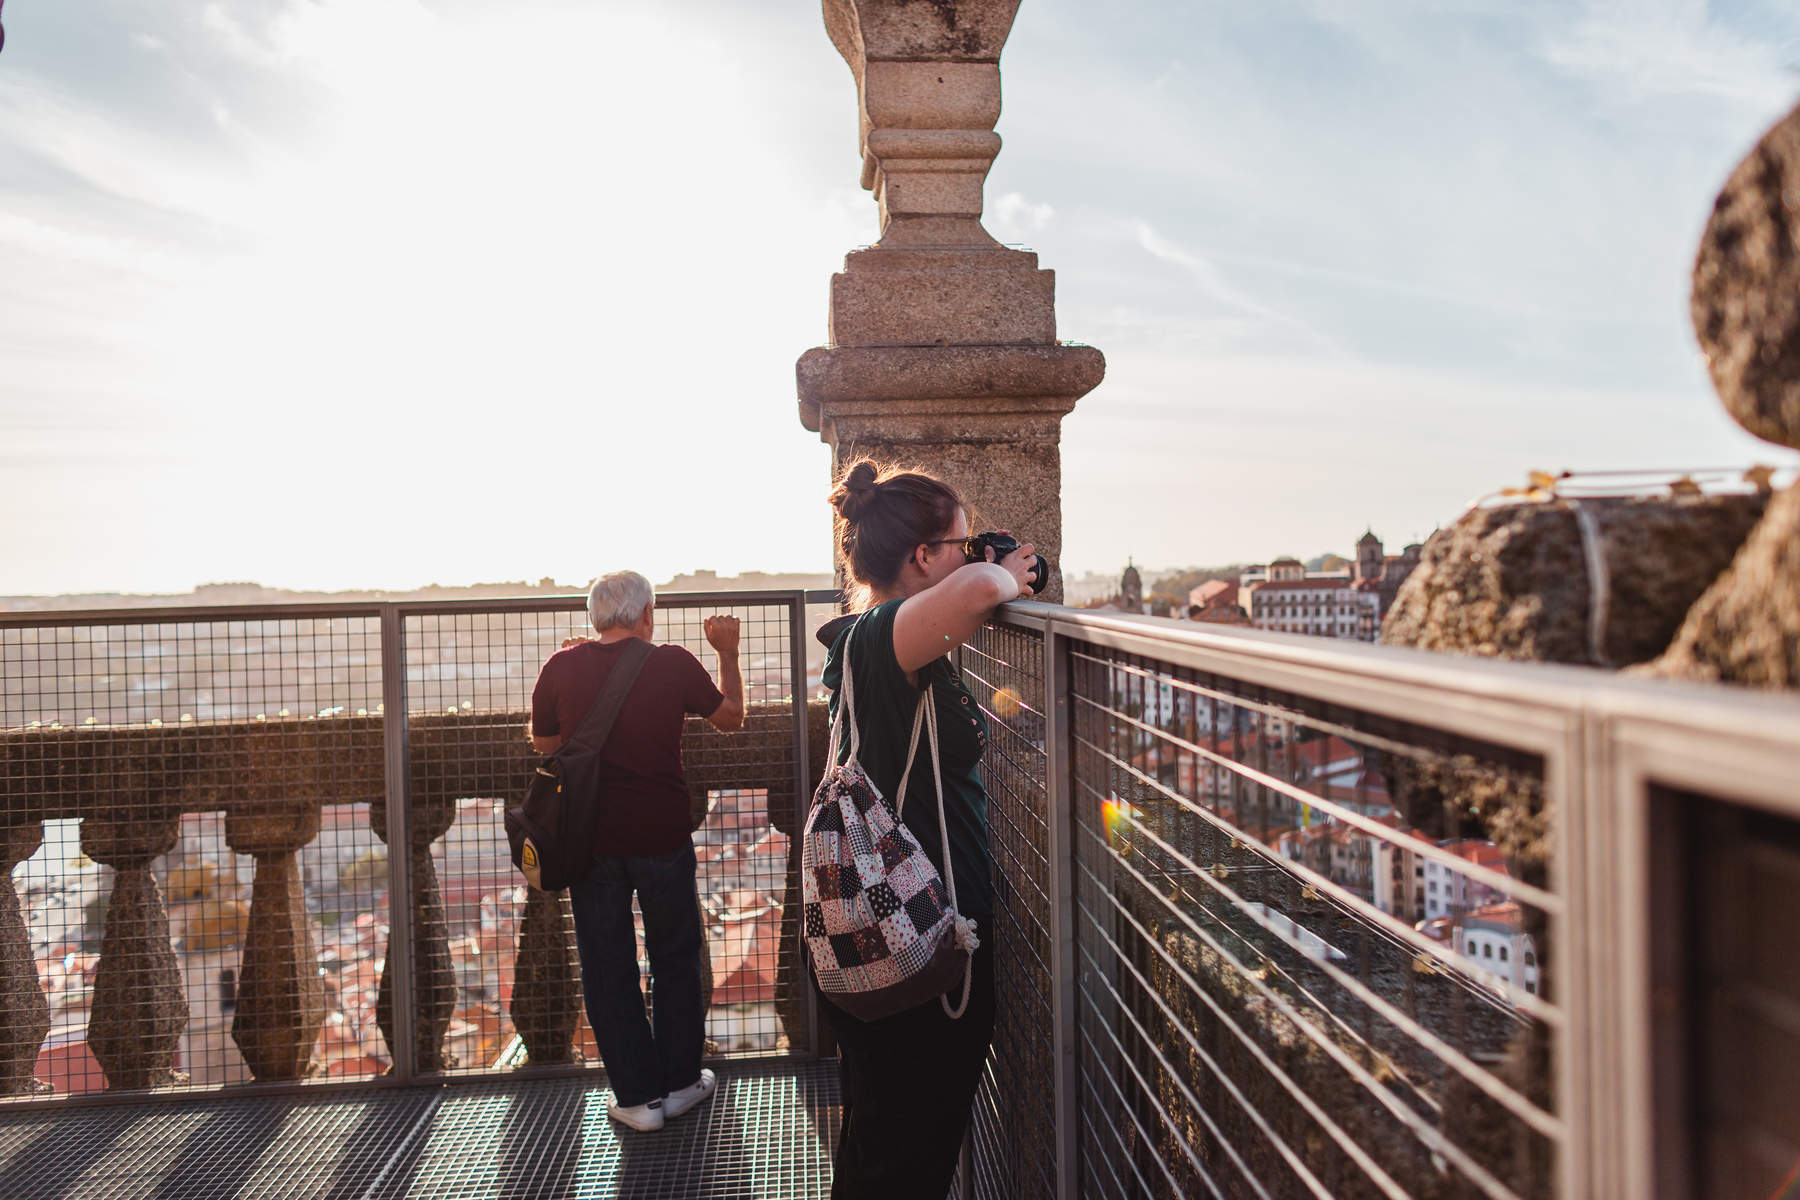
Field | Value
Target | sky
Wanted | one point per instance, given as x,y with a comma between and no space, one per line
378,293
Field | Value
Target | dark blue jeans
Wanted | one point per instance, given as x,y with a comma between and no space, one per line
642,1064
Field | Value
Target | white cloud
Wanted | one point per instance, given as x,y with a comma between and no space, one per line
1012,214
1670,48
1214,285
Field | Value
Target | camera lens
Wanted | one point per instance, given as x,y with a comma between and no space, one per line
1004,544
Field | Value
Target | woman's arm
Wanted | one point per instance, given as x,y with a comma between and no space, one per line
942,617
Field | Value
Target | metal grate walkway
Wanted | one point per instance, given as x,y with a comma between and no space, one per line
768,1134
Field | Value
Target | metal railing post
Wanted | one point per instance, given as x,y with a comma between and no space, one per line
803,786
397,763
1059,794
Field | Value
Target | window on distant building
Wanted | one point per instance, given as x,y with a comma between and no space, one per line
1530,959
1531,987
1487,952
1471,945
1503,954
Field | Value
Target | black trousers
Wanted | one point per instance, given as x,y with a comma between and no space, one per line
907,1082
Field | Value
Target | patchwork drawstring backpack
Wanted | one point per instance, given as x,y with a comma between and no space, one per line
880,925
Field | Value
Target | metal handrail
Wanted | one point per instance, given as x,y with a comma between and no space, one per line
182,614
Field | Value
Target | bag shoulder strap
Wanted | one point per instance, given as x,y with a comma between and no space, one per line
846,710
596,727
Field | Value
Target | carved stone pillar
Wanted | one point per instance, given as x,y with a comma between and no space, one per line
26,1012
140,1007
546,997
280,998
434,973
943,347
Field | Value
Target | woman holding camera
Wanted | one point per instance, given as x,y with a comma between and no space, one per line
908,1079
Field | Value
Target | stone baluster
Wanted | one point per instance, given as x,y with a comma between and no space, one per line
546,997
434,974
27,1017
280,997
140,1007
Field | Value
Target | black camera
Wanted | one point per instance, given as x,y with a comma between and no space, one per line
1004,544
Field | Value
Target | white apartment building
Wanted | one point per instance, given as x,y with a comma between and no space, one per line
1450,893
1493,939
1291,601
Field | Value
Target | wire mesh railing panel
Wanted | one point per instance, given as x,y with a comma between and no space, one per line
185,804
495,979
1312,945
1014,1125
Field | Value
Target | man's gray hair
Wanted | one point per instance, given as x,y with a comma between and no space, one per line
619,600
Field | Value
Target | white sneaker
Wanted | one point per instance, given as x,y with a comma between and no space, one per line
646,1118
697,1092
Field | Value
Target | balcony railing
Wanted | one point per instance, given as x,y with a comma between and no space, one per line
228,799
1277,916
1284,916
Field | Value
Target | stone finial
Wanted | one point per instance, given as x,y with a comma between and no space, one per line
943,350
1746,301
26,1018
140,1007
1746,628
280,998
928,90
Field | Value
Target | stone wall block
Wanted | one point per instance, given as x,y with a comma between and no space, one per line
434,972
1512,581
1746,628
24,1011
280,999
546,998
139,1007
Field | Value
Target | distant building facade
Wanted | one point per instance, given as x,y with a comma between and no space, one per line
1216,602
1284,596
1289,600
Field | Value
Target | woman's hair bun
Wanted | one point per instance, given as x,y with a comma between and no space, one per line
855,488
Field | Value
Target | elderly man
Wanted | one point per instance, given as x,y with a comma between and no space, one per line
643,845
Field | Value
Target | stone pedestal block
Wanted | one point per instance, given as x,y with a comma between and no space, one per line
24,1012
546,998
433,971
985,418
942,298
140,1007
280,998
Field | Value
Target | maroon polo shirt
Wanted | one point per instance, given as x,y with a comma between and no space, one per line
644,796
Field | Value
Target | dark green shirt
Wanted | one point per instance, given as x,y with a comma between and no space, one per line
885,703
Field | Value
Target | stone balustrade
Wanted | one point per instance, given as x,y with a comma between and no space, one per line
129,786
